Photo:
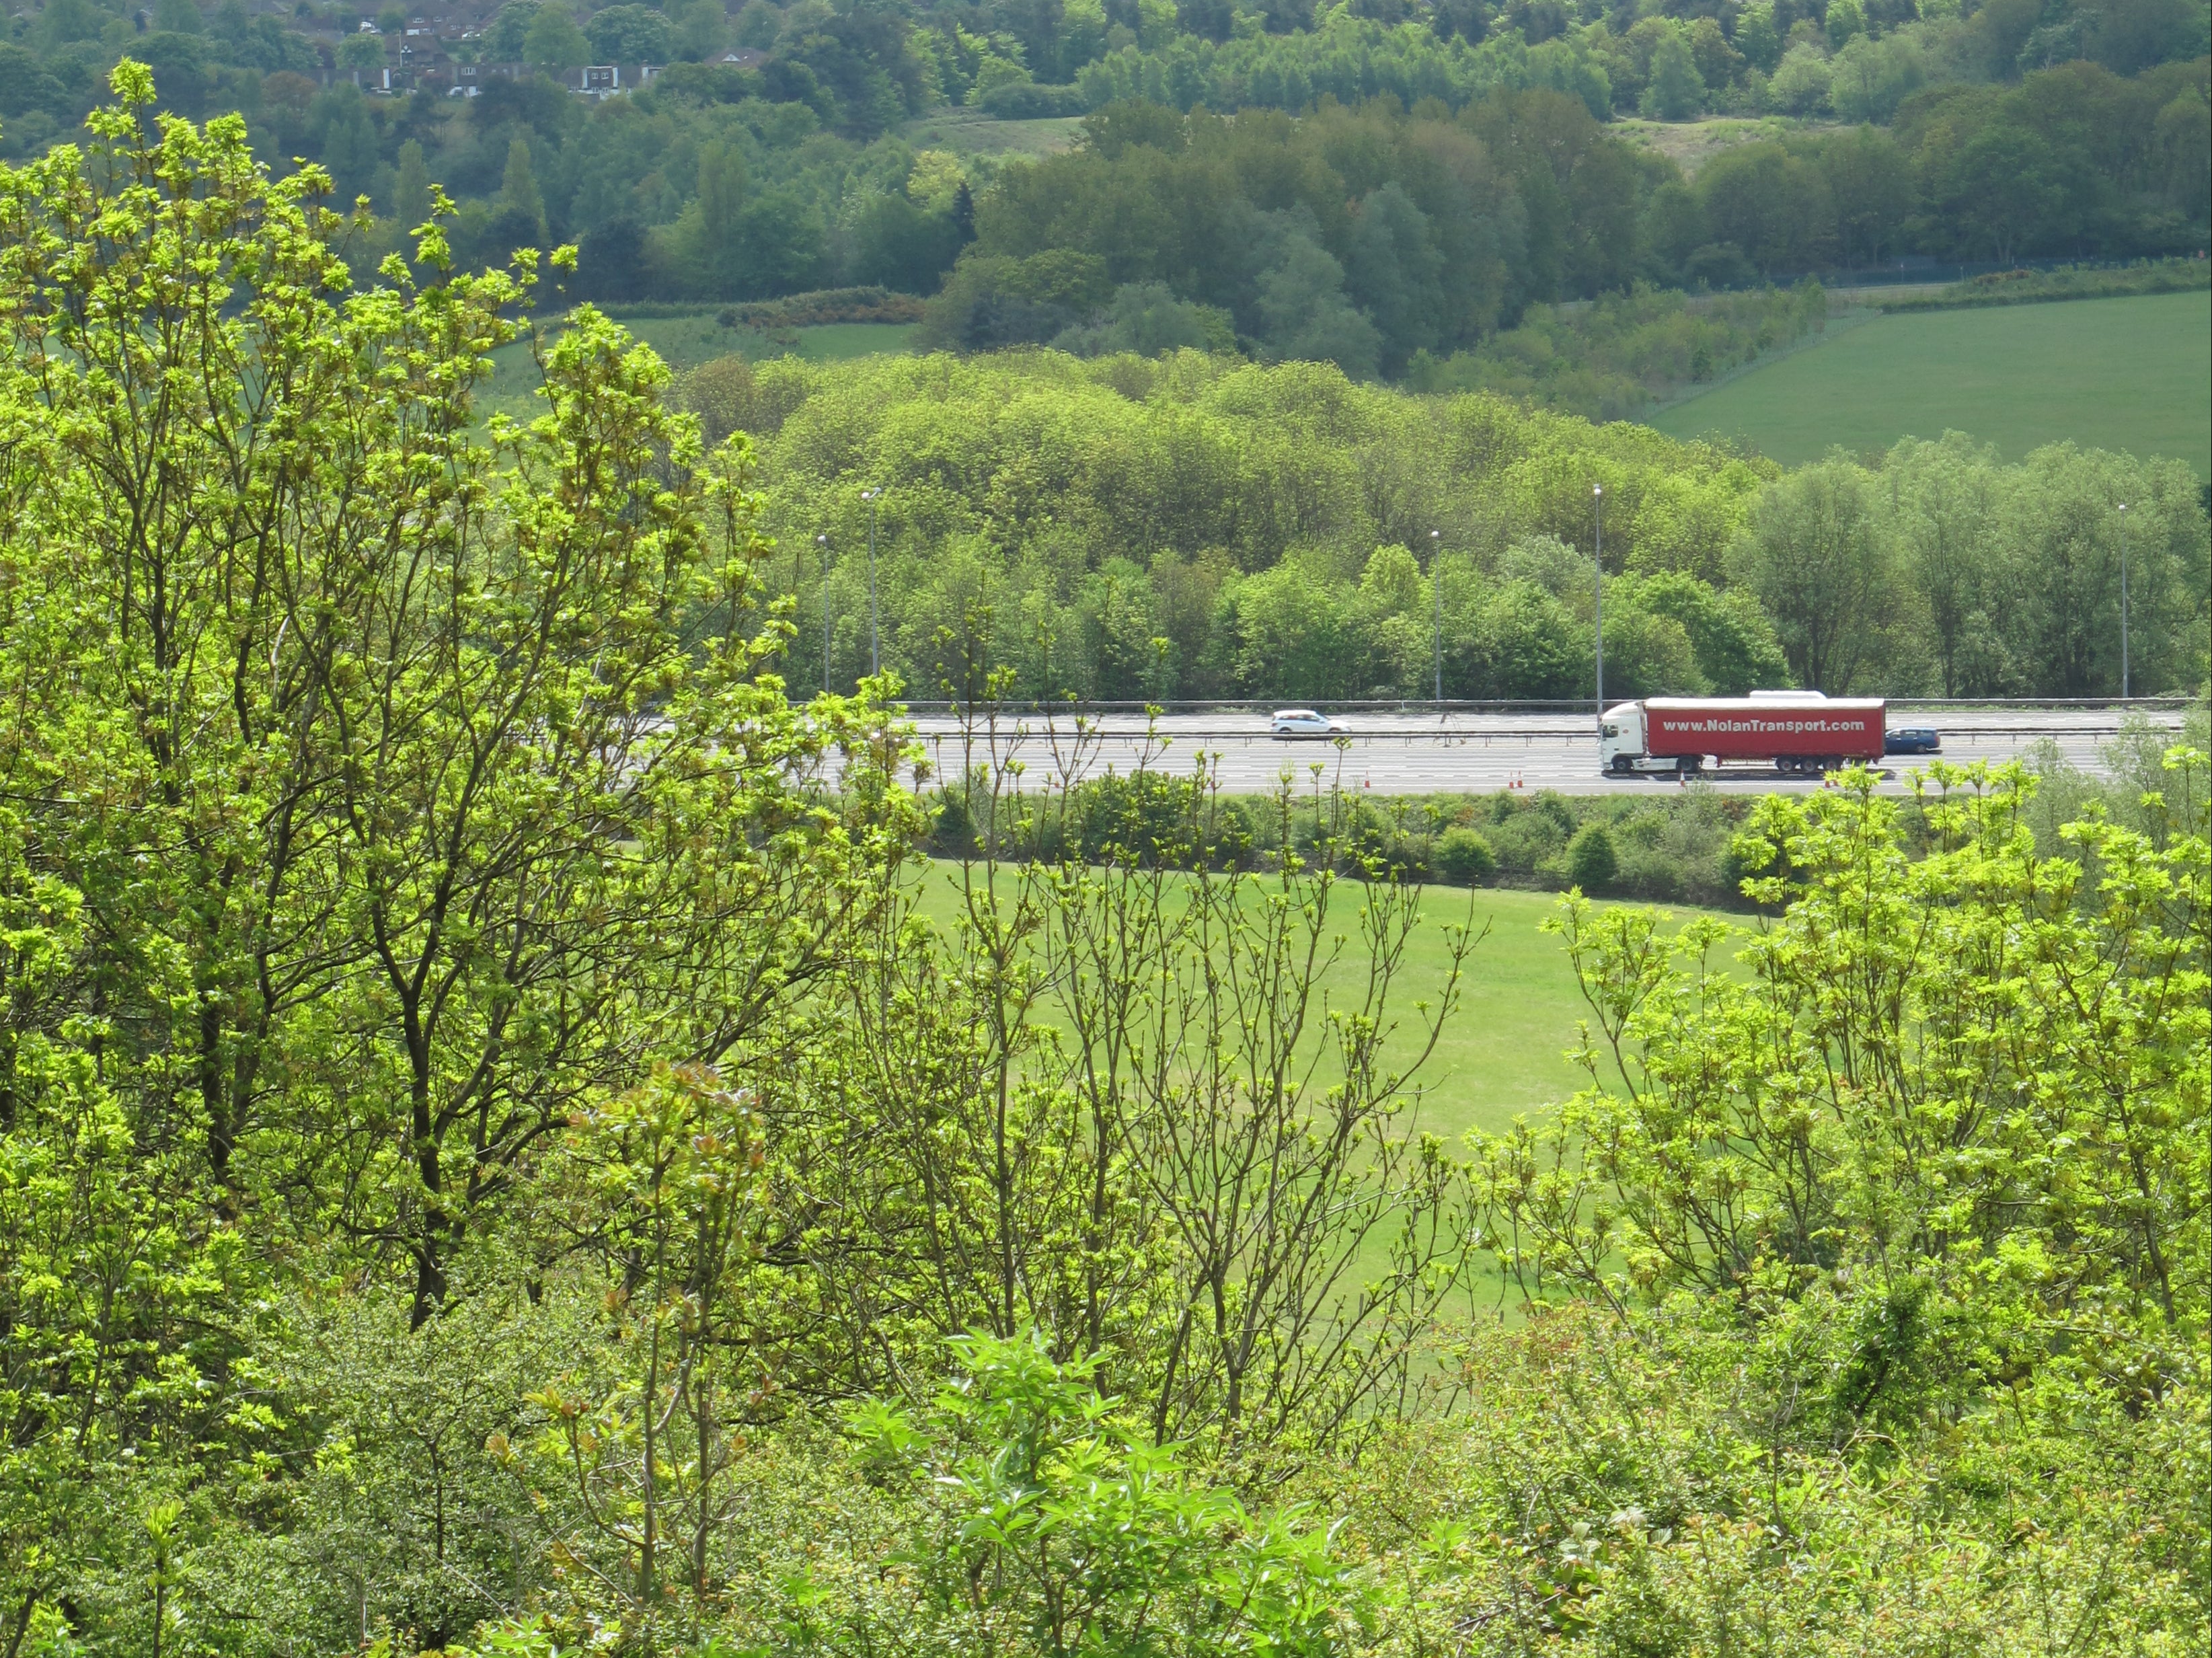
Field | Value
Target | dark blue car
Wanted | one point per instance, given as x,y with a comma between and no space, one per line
1912,739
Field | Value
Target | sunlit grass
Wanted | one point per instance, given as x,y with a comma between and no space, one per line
1503,1051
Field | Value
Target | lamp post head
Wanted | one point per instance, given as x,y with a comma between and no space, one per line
870,495
822,541
1597,488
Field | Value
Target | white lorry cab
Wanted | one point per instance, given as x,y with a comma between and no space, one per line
1624,746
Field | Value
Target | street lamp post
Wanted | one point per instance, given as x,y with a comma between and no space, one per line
1597,562
1436,585
875,648
823,541
2123,601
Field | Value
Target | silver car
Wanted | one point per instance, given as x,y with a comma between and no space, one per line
1305,722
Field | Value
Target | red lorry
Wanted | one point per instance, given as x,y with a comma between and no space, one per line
1793,732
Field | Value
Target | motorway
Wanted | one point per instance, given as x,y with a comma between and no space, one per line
1409,752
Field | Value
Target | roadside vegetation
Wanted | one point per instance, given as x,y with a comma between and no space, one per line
1126,528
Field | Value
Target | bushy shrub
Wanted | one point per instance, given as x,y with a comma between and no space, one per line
1592,863
952,831
1465,859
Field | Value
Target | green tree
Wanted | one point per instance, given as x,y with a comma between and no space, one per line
1946,516
411,199
645,1441
1393,273
64,21
1818,559
349,139
630,34
510,26
2008,190
1675,91
1731,640
1878,1102
1464,858
1770,203
1306,313
1756,38
389,756
1800,86
552,41
1870,183
361,54
701,29
1294,634
518,199
716,235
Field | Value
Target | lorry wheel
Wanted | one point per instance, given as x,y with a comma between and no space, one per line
1620,767
1784,763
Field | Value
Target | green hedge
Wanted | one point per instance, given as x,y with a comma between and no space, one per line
2068,283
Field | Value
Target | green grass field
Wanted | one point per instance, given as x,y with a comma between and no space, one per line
971,132
1503,1051
2128,373
686,341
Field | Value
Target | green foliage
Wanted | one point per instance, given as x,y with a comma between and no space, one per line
630,34
1456,167
1591,861
1147,320
1050,1521
1057,517
2004,567
1464,858
1612,360
353,719
482,1095
1761,1150
2068,283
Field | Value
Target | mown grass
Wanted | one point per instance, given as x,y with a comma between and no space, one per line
2132,373
1503,1052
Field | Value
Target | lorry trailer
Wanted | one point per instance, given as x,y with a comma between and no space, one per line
1802,732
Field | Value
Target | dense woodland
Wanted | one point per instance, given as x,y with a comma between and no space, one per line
1362,183
502,1152
1195,526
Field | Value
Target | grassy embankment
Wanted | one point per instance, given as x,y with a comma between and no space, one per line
1503,1051
2132,373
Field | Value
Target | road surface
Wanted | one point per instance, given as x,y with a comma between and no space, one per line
1410,753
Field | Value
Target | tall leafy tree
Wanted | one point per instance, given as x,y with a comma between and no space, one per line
1817,559
380,736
